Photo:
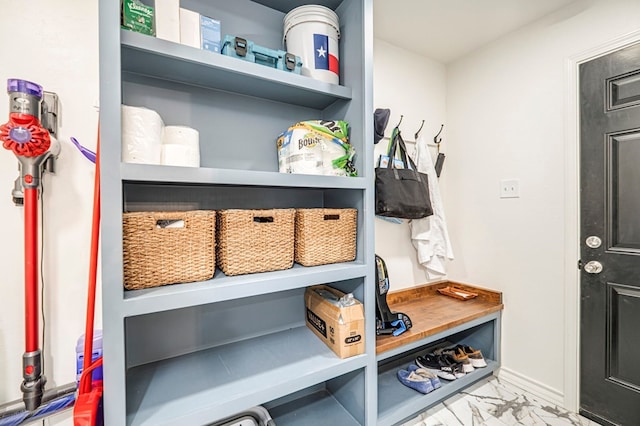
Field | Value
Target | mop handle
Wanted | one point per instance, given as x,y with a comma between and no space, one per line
93,265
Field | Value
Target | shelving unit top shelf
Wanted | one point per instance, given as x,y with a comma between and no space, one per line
165,60
286,5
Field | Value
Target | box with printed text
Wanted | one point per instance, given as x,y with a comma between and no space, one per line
340,327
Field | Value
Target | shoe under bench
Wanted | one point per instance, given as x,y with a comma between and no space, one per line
437,321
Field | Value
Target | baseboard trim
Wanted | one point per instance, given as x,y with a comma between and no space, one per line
532,386
594,417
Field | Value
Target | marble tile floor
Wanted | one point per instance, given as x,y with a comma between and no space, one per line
494,402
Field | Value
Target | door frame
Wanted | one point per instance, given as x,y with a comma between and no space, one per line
572,213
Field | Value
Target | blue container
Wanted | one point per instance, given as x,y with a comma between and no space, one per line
247,50
97,353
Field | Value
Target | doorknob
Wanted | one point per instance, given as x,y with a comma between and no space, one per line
593,267
593,242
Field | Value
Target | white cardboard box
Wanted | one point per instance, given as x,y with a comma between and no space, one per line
190,28
167,14
199,31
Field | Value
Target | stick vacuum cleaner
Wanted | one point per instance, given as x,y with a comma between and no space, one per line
387,321
32,145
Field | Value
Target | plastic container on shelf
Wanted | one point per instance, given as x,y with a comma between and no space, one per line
95,354
312,33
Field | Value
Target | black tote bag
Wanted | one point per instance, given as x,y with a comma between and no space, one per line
401,193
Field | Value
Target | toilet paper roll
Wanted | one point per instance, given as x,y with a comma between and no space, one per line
180,155
141,135
181,135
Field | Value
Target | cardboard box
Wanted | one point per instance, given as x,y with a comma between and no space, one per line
167,15
136,16
199,31
190,28
210,34
340,328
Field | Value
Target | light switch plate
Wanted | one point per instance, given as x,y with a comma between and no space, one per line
510,188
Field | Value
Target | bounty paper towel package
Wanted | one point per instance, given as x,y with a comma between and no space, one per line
317,147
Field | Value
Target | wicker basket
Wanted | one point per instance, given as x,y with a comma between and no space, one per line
156,255
325,236
255,240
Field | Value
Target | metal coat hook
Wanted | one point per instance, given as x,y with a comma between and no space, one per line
398,125
437,140
418,132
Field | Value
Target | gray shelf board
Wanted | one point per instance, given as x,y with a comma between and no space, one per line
170,174
147,55
314,409
221,287
396,402
286,5
434,337
216,383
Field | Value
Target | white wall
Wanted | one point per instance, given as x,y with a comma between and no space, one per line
506,111
415,87
54,44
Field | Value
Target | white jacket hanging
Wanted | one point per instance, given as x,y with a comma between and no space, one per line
429,235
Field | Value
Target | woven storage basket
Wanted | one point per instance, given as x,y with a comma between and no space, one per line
325,236
155,255
255,240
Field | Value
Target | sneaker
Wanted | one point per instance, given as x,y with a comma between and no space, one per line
437,366
415,381
459,356
475,356
458,369
435,382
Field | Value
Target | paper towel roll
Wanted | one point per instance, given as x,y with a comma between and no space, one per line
180,155
141,135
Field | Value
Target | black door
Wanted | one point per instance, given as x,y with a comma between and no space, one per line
610,238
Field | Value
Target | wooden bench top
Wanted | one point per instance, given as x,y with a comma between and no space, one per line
432,312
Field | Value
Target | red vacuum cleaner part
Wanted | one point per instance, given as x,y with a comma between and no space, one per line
36,140
31,270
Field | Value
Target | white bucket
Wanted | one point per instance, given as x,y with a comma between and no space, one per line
312,32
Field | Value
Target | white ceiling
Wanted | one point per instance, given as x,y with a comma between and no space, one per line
445,30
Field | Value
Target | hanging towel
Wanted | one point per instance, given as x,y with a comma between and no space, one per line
429,235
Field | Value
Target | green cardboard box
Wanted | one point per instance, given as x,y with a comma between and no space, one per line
138,17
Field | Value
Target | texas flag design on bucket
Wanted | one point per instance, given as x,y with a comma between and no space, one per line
323,47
